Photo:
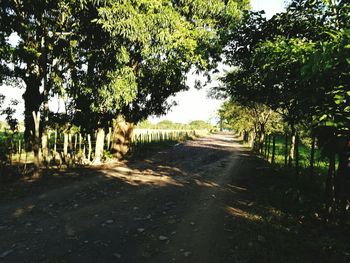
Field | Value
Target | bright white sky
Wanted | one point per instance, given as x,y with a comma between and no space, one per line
192,104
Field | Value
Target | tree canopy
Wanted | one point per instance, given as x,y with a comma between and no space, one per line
296,64
111,57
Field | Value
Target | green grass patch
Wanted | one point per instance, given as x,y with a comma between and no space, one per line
320,164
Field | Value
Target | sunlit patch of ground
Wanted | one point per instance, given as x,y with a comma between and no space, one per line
243,214
21,211
147,177
206,183
234,187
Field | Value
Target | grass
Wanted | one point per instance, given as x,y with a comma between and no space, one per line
13,141
290,217
301,191
292,213
304,155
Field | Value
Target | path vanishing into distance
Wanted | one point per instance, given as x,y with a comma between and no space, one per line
201,201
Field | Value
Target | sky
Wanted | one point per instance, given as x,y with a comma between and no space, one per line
270,7
191,105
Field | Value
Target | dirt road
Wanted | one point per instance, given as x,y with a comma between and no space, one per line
189,203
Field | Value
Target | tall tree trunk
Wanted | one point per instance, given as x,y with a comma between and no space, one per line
285,150
19,151
330,184
75,142
65,145
70,142
265,146
32,101
121,138
80,143
36,143
55,143
256,139
245,136
44,146
292,147
44,139
342,182
100,139
90,148
297,168
83,154
10,149
312,156
109,136
268,147
273,149
261,138
252,140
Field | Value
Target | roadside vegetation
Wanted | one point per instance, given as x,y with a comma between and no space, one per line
71,149
288,95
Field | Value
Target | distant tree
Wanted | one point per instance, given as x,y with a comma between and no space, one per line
145,124
200,125
165,124
251,119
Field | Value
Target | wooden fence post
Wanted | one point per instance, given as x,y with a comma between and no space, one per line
55,142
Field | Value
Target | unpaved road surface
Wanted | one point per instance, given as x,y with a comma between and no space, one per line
188,203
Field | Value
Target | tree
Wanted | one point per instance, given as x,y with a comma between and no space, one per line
200,125
148,48
36,58
251,119
108,57
328,68
269,56
297,63
165,124
164,41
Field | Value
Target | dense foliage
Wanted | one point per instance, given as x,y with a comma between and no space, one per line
297,65
107,58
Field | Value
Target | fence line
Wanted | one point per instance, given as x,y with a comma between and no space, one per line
77,148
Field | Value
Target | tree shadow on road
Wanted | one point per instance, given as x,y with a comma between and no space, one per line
271,225
158,209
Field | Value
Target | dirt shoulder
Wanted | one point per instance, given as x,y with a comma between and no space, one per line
201,201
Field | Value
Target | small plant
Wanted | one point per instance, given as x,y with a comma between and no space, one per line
107,155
